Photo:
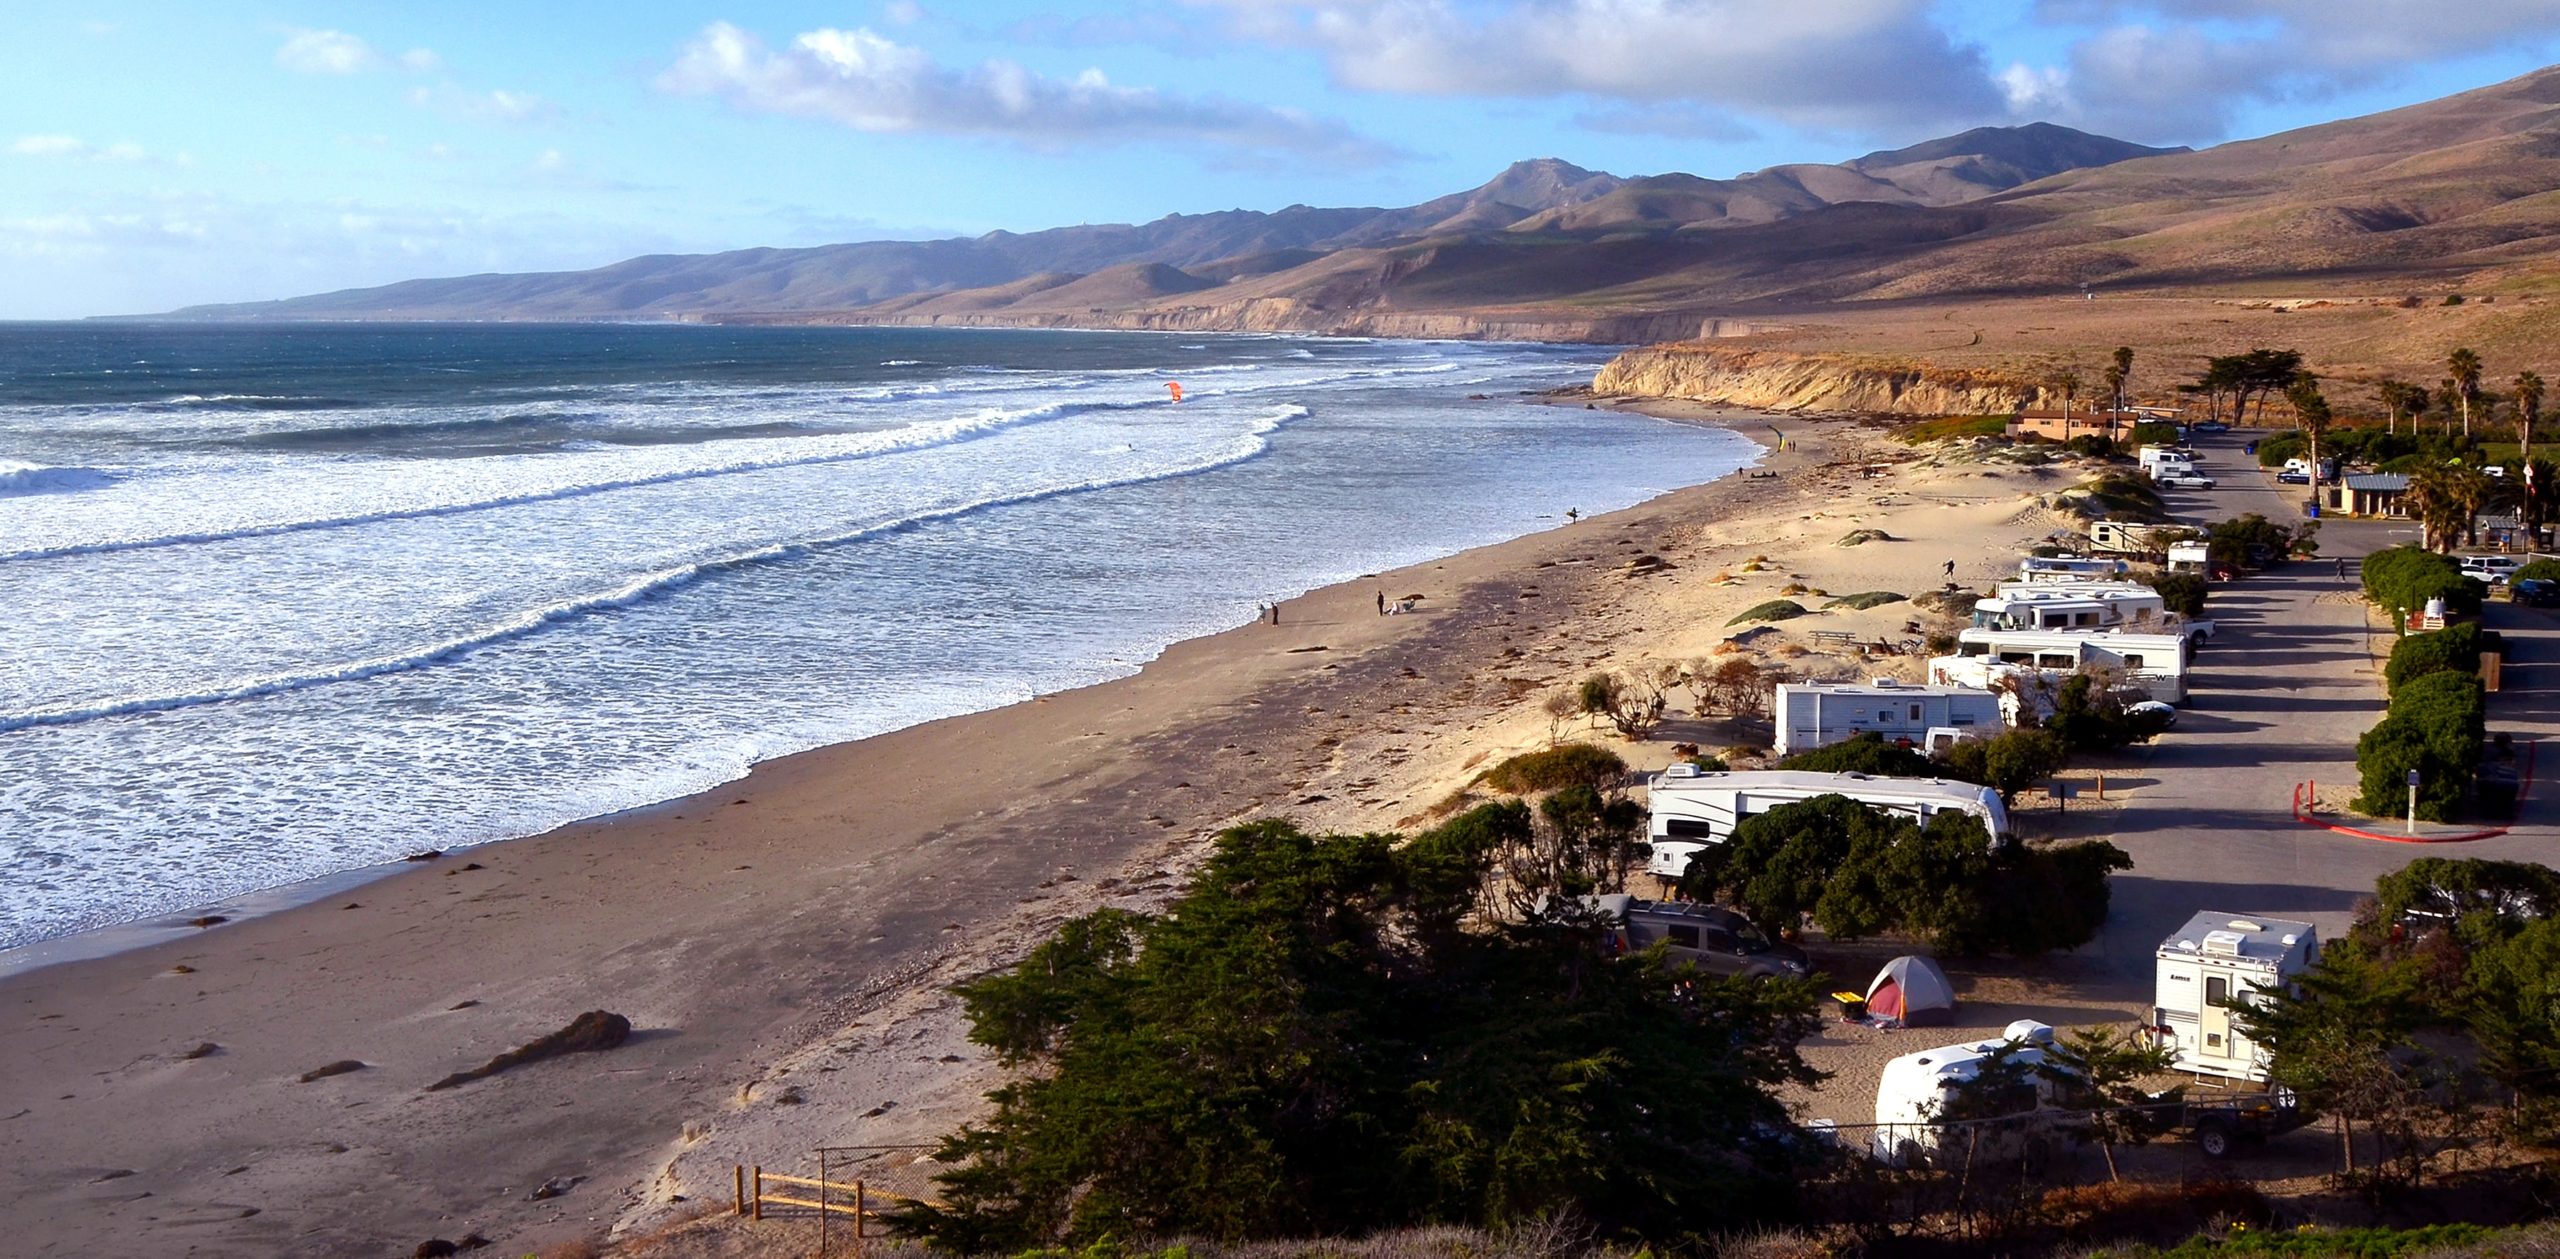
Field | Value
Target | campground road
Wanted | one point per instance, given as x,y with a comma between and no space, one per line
2280,697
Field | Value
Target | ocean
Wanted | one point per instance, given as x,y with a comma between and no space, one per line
281,602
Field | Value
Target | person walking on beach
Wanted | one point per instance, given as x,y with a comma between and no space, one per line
1382,603
1951,568
1275,612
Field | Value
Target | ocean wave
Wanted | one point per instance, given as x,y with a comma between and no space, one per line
902,362
1250,444
34,478
940,433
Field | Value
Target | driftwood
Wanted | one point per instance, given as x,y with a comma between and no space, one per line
591,1032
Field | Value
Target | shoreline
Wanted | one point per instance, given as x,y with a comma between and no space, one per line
174,924
784,943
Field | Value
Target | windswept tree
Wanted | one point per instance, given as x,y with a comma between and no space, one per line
2464,367
2528,411
2122,361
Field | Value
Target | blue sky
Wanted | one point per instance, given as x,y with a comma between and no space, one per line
158,154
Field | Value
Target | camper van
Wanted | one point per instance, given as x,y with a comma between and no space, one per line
1817,714
2069,605
2213,965
1693,808
1913,1095
2156,662
1707,937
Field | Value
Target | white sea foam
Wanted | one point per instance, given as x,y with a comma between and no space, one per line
17,477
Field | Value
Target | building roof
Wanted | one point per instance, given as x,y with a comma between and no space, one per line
2213,933
2378,482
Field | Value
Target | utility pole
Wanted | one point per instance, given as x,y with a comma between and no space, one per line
2413,802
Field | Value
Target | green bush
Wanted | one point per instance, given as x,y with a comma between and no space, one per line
1556,768
2092,446
2455,647
2401,579
1773,610
2538,570
2182,593
2008,762
1864,600
2233,541
2090,718
1950,427
2273,451
1865,752
2434,726
2155,433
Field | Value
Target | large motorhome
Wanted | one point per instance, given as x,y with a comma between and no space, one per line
2215,964
2070,568
2070,605
2156,663
1815,714
1693,808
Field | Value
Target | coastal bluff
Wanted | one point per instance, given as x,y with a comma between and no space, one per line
1783,380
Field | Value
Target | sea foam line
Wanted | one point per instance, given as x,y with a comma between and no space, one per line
1251,444
944,433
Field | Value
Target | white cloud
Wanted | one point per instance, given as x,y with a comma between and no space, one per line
550,160
903,12
421,60
73,148
494,105
49,146
1854,64
2181,69
864,81
326,52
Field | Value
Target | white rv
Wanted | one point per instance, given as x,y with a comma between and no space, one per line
1693,808
2070,568
2213,965
2189,557
2156,663
1817,714
2155,460
2129,537
2069,605
1912,1098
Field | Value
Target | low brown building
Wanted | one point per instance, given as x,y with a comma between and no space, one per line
2079,422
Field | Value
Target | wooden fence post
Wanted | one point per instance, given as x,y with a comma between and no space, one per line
759,1177
822,1203
857,1211
740,1171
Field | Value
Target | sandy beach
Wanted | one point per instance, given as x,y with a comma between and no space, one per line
783,944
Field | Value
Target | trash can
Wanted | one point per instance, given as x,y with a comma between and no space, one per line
2313,508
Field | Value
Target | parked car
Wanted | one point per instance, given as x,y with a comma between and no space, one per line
2166,715
2536,592
1712,939
2493,569
2209,426
2291,477
2188,480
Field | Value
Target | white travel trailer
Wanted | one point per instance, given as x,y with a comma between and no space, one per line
2129,537
2154,662
1816,714
1693,808
2070,605
2216,963
2070,568
1912,1098
2189,557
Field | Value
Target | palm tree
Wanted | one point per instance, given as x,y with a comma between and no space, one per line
2114,376
2123,364
2311,411
2394,396
2465,367
2528,410
2470,489
2434,503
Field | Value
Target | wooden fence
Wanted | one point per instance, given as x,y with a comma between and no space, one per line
833,1198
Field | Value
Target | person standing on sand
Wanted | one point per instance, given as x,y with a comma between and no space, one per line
1382,603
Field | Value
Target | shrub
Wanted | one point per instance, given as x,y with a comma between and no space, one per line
1773,610
1865,600
2092,718
2538,570
2273,451
1953,427
1572,765
2154,433
1864,753
1860,537
2008,762
2092,446
2434,726
2248,540
2455,647
2402,578
2182,593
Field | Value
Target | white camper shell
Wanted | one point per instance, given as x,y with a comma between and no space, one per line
2213,964
1817,714
2156,663
1912,1096
2189,557
2070,605
2070,568
1693,808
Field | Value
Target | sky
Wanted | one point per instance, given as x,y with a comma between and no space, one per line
155,155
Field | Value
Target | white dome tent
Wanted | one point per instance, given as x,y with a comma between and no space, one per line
1913,992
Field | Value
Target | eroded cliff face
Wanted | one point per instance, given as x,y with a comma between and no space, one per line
1286,315
1780,380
